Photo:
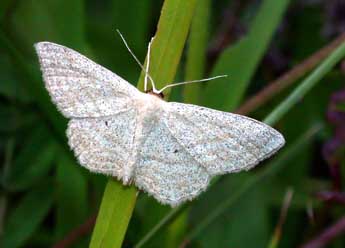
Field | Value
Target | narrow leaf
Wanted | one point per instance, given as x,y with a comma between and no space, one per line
115,212
314,78
169,41
118,200
197,51
240,61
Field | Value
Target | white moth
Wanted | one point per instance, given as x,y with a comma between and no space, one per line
170,150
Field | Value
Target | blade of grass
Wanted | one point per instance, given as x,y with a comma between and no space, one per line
168,43
164,222
276,237
326,236
196,53
287,79
306,85
115,212
176,230
194,69
118,201
240,61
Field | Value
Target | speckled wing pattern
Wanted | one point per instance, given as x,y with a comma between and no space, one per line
105,144
165,169
170,150
195,144
222,142
80,87
99,104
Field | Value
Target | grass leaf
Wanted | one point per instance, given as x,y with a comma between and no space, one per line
115,212
118,200
169,41
197,51
240,61
314,78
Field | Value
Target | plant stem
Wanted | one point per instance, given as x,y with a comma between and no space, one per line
115,212
327,235
118,201
306,85
283,213
281,83
76,233
165,221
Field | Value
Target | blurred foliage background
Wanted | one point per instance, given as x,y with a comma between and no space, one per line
47,200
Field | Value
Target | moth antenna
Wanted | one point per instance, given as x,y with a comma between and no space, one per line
148,66
189,82
137,60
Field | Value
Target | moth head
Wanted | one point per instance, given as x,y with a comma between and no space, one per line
154,91
157,94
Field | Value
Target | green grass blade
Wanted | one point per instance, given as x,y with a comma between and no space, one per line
115,212
169,41
195,69
118,201
196,52
176,230
306,85
240,61
165,221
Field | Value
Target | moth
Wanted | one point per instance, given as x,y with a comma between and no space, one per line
170,150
